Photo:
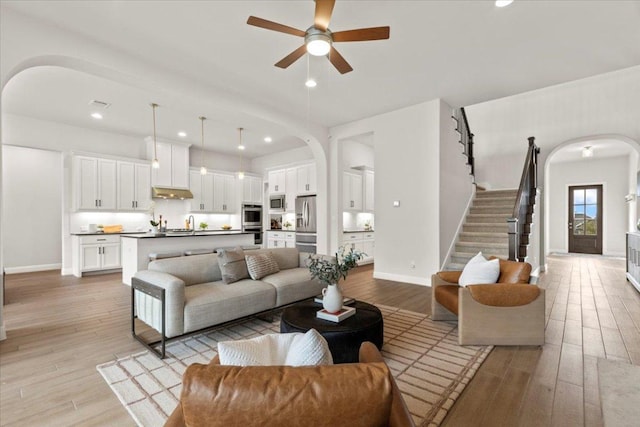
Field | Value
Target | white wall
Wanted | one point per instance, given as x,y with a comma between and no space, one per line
613,174
604,104
407,165
32,216
261,165
357,154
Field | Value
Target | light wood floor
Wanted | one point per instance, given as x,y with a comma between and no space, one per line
60,328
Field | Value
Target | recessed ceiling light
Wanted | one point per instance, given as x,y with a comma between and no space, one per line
182,134
240,147
96,116
587,151
503,3
310,83
267,139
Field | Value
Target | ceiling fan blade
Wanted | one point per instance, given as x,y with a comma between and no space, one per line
324,9
339,62
274,26
292,57
362,34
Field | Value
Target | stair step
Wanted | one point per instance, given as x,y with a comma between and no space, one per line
493,248
486,227
452,266
497,193
497,210
471,236
464,257
486,219
494,201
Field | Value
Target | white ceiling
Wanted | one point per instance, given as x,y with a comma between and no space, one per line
464,52
602,148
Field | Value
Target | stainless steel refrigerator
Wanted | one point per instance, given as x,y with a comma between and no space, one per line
306,224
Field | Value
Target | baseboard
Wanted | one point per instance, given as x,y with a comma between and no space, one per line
402,278
3,333
32,268
66,272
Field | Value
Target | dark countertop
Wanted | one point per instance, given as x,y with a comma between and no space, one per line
186,234
102,233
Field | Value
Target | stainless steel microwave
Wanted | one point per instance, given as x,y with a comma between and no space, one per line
277,202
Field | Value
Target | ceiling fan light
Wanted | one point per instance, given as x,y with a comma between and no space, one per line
318,44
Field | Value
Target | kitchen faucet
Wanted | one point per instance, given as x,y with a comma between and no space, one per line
192,223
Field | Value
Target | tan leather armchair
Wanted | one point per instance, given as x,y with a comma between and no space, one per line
510,312
359,394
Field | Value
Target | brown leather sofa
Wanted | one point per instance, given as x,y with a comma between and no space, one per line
356,394
511,312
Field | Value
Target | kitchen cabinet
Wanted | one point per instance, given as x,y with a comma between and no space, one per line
281,239
202,189
368,191
352,191
95,184
277,180
252,190
224,193
633,259
306,179
95,253
134,186
174,165
363,242
291,179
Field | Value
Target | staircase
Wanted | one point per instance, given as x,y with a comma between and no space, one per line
485,229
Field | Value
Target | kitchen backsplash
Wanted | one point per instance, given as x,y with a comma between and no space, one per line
174,211
357,221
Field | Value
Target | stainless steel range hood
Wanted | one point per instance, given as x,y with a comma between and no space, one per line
171,193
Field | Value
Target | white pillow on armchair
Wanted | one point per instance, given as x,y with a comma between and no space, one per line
480,271
294,349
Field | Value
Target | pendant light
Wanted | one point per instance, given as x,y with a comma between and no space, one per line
203,169
241,148
155,163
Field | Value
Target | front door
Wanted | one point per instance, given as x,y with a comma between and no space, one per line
585,219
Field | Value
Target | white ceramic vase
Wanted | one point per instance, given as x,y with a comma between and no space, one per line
332,298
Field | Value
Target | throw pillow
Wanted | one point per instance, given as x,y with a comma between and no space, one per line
295,349
261,265
232,265
479,271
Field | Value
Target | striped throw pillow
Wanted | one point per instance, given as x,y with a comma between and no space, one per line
261,265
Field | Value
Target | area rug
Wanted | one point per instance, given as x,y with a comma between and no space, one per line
431,369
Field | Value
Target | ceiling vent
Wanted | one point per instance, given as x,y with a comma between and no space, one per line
99,104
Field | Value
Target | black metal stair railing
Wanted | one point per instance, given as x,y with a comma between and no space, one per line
466,137
522,217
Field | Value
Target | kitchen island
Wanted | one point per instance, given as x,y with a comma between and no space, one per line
137,247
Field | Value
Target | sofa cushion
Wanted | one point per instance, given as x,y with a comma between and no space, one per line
260,265
232,265
191,270
293,285
358,394
447,296
514,271
209,304
479,271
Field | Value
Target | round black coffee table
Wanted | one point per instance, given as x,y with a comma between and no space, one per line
344,338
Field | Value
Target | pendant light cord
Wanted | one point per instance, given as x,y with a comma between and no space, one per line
155,143
202,168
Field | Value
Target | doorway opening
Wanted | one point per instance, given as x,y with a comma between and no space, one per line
585,219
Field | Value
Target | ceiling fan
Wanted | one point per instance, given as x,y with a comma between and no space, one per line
318,39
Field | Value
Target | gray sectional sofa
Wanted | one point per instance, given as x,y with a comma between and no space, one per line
177,296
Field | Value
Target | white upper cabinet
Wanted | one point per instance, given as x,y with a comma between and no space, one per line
224,193
95,183
134,186
252,190
291,180
368,191
174,165
202,189
277,181
306,179
352,191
